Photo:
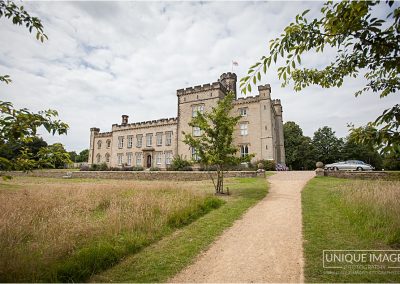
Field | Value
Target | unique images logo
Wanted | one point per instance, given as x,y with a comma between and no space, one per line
362,261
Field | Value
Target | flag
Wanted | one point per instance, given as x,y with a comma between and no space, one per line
234,63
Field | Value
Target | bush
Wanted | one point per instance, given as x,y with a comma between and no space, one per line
94,167
268,165
84,168
180,164
155,169
208,169
137,169
103,167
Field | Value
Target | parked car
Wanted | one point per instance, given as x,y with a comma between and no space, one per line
279,167
351,165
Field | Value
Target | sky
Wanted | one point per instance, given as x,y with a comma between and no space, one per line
105,59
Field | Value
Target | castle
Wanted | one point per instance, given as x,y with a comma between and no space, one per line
155,143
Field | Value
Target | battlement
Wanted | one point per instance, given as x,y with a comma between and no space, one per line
228,75
201,88
276,102
145,124
104,134
94,129
264,87
246,100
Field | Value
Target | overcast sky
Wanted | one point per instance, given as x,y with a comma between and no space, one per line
105,59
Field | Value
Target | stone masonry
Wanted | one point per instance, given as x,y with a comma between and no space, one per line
155,143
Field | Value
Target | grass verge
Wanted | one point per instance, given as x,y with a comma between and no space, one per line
341,214
162,260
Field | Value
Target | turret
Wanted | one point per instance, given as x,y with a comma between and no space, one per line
93,132
229,81
265,91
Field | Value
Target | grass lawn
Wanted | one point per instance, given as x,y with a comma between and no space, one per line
70,229
343,214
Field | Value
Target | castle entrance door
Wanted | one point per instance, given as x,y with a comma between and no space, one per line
148,161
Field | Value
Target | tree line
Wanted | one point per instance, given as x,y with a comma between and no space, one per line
302,152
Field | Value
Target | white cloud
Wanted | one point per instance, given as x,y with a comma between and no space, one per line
104,59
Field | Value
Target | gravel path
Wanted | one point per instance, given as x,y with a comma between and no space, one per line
264,246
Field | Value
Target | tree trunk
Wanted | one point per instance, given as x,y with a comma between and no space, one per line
220,180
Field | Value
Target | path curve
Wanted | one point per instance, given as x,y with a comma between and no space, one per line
265,245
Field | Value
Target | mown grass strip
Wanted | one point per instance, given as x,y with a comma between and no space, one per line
162,260
331,222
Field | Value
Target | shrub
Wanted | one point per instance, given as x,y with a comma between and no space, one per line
209,168
103,167
137,169
94,167
180,164
84,168
268,165
155,169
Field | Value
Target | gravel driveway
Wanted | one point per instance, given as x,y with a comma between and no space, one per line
264,246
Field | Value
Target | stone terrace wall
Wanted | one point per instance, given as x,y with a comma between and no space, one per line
142,175
359,175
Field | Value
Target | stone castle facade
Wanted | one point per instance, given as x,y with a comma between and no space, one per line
155,143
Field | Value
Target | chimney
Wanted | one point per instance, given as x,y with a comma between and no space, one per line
124,119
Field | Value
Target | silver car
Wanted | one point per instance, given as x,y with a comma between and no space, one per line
351,165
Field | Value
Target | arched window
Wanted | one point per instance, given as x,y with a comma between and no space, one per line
98,157
107,158
108,143
99,144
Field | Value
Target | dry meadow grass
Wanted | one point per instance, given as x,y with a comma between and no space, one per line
377,204
43,220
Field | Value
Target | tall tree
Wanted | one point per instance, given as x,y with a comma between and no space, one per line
214,147
83,156
53,156
299,150
366,43
327,146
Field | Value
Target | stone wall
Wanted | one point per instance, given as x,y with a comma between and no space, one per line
359,175
141,175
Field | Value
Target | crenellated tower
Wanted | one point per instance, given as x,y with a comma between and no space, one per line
228,80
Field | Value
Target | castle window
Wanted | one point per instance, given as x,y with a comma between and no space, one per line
121,142
129,159
99,144
119,156
197,108
149,139
158,158
130,141
139,138
195,155
138,159
243,111
196,131
159,138
168,138
107,158
244,151
108,143
98,157
265,107
168,158
243,129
